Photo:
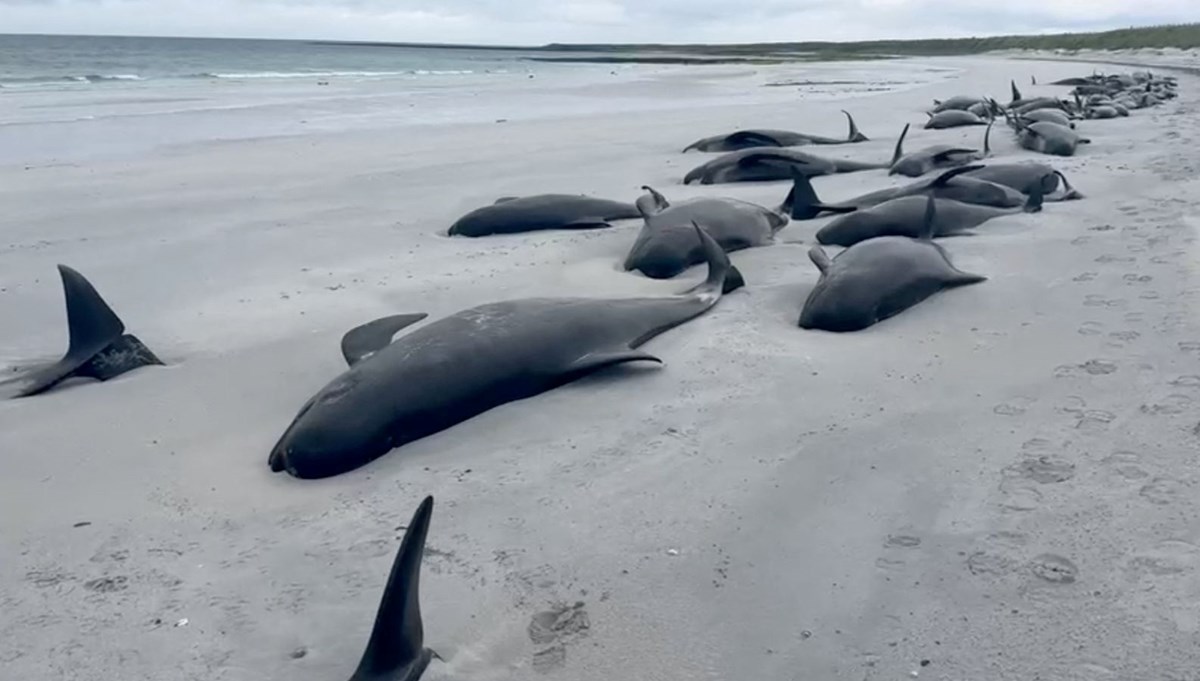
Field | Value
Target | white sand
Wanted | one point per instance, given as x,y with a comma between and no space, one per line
770,504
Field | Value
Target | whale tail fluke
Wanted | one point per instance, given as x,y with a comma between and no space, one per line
97,347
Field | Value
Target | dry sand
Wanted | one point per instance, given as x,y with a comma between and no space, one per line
997,484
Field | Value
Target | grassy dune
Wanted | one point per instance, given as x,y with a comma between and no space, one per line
1182,36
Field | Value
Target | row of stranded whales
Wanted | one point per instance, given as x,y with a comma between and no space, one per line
458,367
745,139
397,390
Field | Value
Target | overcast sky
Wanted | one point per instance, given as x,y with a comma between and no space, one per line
523,22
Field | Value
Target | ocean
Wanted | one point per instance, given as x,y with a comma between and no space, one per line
42,61
66,98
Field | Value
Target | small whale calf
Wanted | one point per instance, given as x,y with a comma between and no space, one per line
936,157
511,215
745,139
878,278
953,118
98,346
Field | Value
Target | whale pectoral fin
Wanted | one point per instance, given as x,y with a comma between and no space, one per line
943,156
365,340
595,361
587,223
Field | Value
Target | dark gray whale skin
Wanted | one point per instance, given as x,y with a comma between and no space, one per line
668,245
745,139
879,278
396,650
543,211
905,216
463,365
766,164
1022,177
802,202
98,346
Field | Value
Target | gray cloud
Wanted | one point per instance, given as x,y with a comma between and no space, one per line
540,21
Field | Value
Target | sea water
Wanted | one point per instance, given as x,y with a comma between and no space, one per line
67,98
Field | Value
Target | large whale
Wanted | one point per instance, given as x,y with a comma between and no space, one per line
463,365
879,278
802,202
745,139
667,244
765,164
1023,176
906,216
98,346
953,118
511,215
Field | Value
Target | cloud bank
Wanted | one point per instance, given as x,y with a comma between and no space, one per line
534,22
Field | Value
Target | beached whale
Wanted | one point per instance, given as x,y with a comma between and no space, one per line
98,346
511,215
1049,138
953,118
1023,176
877,279
906,216
668,244
936,157
765,164
463,365
802,202
745,139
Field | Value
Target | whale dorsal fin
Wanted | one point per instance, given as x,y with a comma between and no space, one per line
899,152
927,226
987,135
1016,94
820,258
363,341
398,639
506,199
855,134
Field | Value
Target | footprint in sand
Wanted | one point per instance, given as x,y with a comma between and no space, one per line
1085,276
1162,491
1125,466
1167,558
1092,367
1096,300
552,630
1054,568
1091,329
1188,381
1169,405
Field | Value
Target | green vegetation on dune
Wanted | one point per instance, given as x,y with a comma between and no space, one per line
1183,36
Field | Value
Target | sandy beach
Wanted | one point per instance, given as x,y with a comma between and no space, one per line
996,484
